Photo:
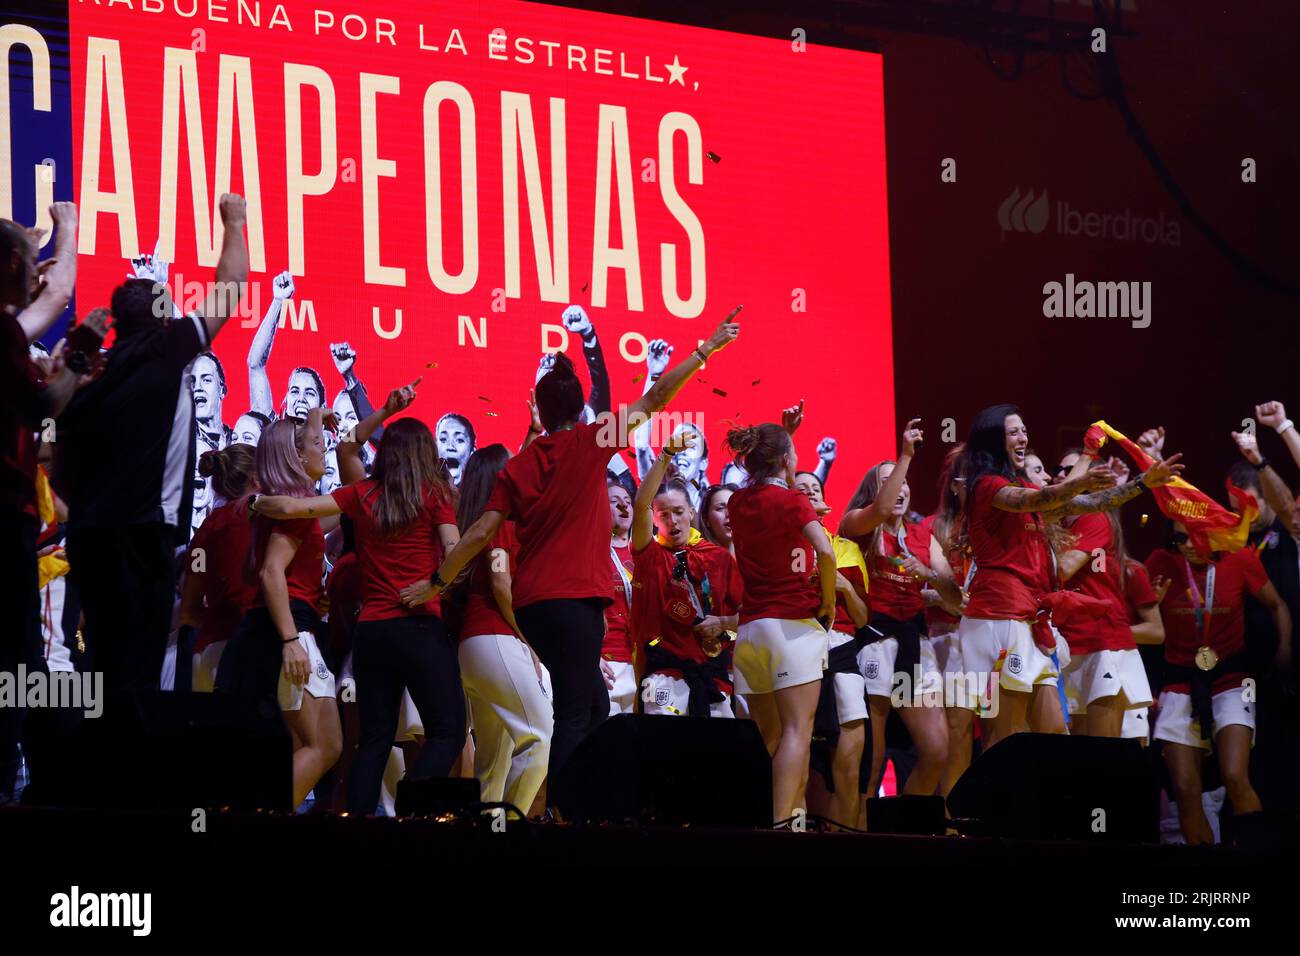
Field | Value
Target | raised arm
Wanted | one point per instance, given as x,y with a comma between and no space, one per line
825,459
862,521
642,520
657,354
1160,473
576,321
259,353
232,268
1021,499
1276,493
670,383
535,429
1273,414
60,279
351,468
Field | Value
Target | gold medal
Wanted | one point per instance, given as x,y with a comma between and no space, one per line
712,646
1206,659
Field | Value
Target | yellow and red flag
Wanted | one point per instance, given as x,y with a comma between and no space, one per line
1210,526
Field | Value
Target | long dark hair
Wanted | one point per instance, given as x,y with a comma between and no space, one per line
559,394
760,449
406,471
986,448
477,482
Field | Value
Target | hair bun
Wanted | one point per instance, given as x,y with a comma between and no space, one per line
210,463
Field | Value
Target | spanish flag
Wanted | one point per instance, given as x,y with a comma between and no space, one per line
1210,526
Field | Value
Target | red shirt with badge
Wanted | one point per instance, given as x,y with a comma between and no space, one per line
391,562
1236,575
1112,632
223,540
305,572
481,613
1013,567
661,604
618,634
555,492
775,559
894,593
937,619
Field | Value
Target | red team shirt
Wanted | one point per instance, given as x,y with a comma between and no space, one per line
303,575
661,606
894,593
1236,575
853,572
1013,568
1138,592
959,562
482,614
767,523
390,563
1111,632
224,540
618,628
554,491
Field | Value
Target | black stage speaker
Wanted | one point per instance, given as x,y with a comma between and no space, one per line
912,814
171,750
1058,787
435,796
703,771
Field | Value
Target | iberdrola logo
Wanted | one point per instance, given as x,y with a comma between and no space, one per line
1024,213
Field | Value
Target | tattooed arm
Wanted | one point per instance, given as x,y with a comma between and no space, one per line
1053,497
1161,473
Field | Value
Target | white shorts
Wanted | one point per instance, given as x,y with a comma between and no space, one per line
876,663
1005,648
1136,725
774,653
622,699
1098,674
409,724
203,675
320,682
850,689
1176,723
947,655
661,694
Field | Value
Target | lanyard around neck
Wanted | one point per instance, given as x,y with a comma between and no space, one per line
1203,610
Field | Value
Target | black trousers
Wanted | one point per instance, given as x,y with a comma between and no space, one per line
20,634
418,654
127,577
567,634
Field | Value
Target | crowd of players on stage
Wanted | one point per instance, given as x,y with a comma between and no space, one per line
423,607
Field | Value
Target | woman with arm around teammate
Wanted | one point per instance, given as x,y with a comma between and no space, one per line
782,643
403,523
555,492
275,650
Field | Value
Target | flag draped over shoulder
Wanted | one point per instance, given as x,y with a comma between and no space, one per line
1210,526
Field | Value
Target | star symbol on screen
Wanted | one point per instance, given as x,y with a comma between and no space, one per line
676,71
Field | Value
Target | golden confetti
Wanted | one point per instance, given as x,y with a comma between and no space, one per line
718,391
637,380
491,414
713,157
1144,520
432,365
484,398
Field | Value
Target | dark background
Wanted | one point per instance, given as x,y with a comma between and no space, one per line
1158,125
